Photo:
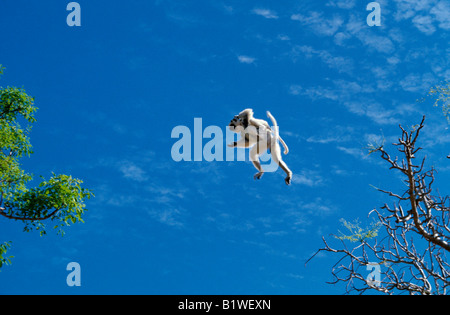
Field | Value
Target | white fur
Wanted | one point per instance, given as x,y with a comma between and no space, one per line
259,132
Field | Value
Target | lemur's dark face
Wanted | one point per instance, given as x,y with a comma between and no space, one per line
236,121
236,124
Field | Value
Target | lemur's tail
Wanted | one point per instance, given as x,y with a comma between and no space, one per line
276,132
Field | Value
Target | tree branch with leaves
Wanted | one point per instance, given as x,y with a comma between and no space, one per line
61,199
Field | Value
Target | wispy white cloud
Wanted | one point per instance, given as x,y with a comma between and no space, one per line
357,27
426,15
300,213
246,59
340,90
170,216
318,23
283,37
268,14
339,134
442,14
130,168
415,82
436,134
342,4
228,9
314,92
373,110
424,23
275,233
225,221
341,37
322,139
339,63
355,152
131,171
407,9
359,99
310,178
318,207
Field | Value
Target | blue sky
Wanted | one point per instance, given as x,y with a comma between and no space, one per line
111,91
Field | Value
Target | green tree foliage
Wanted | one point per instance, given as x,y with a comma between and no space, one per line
59,199
357,233
3,249
441,96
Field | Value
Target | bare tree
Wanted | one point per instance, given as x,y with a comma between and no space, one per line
409,254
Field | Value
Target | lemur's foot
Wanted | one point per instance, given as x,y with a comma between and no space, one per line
258,175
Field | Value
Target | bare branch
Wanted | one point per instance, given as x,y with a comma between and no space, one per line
412,254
